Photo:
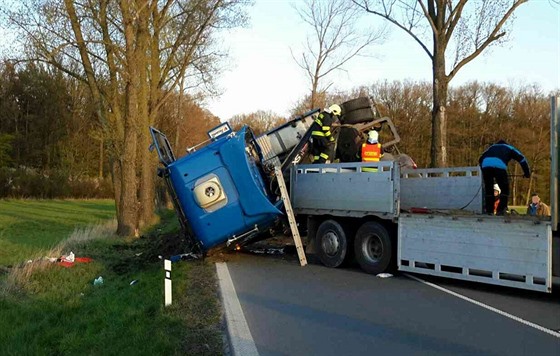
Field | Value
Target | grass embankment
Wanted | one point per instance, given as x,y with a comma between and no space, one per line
57,310
28,227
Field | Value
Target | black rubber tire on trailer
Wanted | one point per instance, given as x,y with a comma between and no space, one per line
373,247
331,244
354,104
349,143
358,116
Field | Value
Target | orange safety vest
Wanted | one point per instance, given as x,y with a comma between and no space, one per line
371,152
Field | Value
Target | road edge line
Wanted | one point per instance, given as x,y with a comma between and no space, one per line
240,339
485,306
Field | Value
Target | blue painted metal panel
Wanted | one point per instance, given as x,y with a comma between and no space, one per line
247,201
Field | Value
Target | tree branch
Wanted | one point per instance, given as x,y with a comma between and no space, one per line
494,36
396,23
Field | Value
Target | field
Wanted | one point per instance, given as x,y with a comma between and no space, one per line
28,227
48,309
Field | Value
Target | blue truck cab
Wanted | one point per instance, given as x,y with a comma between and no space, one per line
220,191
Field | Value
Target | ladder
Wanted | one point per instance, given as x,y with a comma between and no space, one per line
291,217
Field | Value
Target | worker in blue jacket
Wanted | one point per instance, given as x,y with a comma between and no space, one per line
494,163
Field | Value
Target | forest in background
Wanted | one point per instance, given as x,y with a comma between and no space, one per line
51,146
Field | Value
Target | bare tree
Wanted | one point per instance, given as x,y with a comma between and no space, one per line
132,54
260,121
334,42
467,30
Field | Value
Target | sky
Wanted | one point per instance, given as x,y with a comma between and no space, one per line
262,75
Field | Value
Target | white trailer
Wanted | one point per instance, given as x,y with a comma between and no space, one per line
428,221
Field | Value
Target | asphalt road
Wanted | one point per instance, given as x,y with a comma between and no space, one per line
314,310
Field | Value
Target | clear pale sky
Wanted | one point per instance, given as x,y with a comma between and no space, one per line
263,76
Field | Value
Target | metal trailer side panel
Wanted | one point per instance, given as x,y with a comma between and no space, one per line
442,189
342,189
514,253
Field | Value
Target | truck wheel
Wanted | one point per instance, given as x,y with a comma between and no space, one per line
372,247
354,104
358,116
331,243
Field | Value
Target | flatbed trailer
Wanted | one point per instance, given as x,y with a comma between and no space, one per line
427,221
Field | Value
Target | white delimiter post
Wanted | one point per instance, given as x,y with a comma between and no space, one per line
167,268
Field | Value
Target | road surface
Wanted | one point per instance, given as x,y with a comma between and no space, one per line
314,310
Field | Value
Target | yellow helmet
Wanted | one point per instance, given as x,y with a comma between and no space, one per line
335,109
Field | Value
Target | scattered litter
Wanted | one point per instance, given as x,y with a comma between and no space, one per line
69,258
184,257
138,254
68,264
98,281
384,275
268,251
29,261
133,282
51,259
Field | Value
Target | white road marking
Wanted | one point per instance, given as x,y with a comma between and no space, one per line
241,340
501,312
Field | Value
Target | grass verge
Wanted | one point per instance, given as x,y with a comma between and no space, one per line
28,227
57,310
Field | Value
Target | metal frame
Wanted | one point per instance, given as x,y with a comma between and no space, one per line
555,156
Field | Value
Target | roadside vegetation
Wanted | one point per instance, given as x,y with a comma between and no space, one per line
46,308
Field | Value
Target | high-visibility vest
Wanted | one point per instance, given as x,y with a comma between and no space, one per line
371,152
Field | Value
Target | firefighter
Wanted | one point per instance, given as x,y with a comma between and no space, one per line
371,150
321,133
493,163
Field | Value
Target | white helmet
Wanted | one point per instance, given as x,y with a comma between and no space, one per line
335,109
497,187
373,136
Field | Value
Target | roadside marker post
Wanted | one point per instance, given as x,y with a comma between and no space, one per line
167,284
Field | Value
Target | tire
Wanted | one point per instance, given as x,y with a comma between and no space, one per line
354,104
331,244
348,145
373,247
358,116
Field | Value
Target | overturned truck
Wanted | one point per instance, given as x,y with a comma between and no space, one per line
226,194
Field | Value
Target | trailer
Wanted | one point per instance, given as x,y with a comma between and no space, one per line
426,221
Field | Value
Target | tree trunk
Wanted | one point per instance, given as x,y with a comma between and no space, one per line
514,187
128,220
101,158
438,152
147,194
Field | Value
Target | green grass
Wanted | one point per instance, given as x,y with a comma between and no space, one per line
520,209
57,310
29,226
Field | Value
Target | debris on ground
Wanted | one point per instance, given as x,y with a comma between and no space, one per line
68,264
267,251
98,281
184,257
133,282
384,275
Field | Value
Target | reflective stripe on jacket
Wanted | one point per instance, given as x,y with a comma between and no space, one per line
371,152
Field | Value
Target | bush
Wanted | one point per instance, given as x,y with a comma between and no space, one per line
28,183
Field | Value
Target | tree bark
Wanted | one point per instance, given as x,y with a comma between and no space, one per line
128,221
146,215
440,83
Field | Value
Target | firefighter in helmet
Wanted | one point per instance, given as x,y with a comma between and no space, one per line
321,133
371,150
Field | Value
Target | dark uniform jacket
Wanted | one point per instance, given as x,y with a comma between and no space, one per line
499,154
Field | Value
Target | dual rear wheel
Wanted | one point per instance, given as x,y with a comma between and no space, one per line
371,244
